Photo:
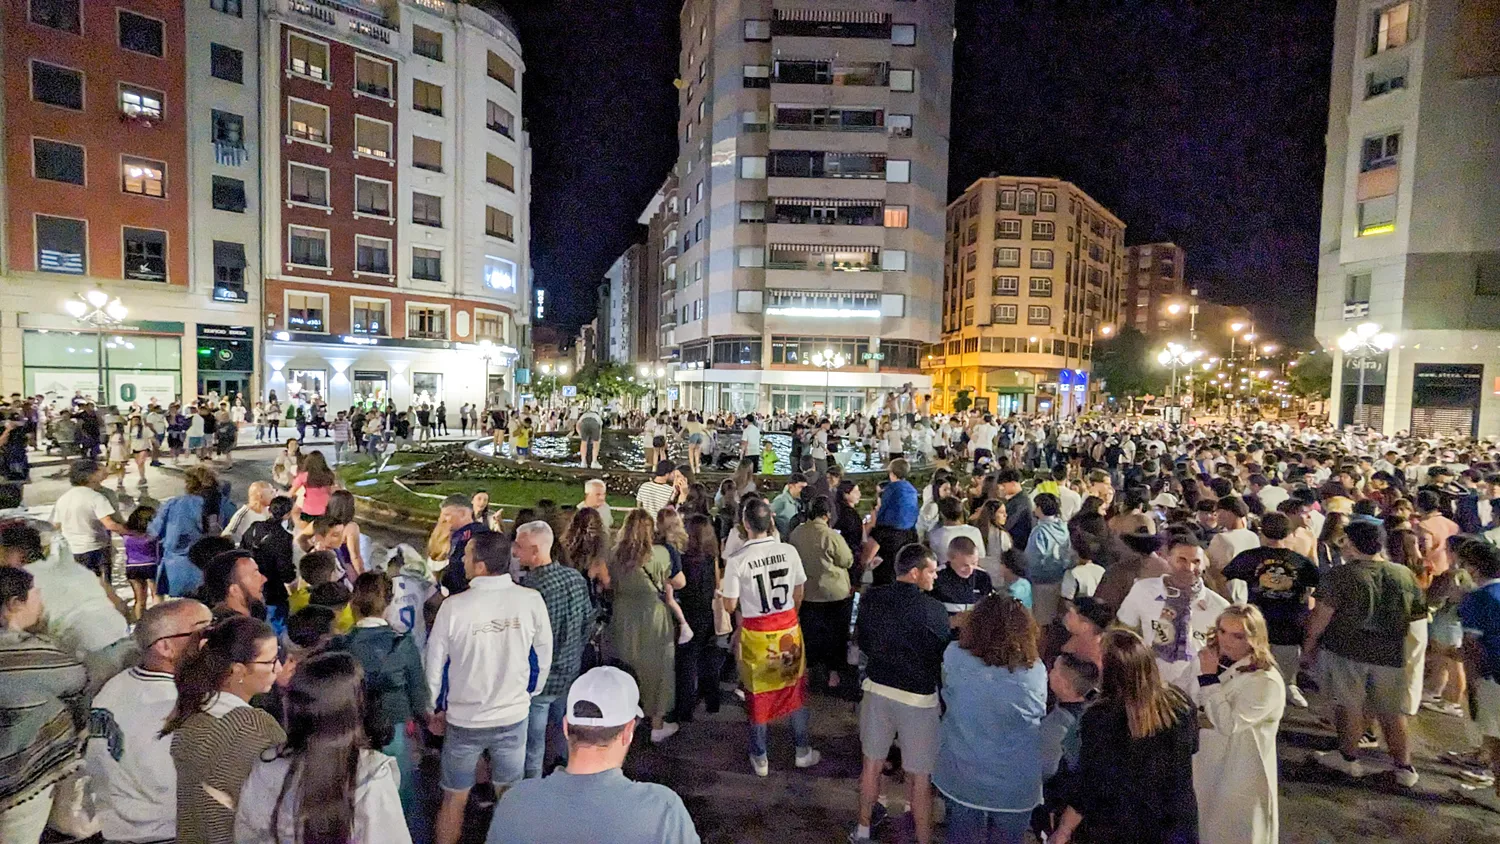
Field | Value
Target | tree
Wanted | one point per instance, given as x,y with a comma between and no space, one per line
962,402
1125,367
1312,377
605,381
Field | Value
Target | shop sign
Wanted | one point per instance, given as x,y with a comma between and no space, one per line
228,332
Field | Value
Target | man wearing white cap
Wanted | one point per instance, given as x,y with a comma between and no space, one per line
575,804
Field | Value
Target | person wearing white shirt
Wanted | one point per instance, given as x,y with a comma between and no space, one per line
1173,613
1269,494
86,519
750,443
128,760
951,512
1232,538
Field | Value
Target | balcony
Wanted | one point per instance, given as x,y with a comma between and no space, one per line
1356,310
364,19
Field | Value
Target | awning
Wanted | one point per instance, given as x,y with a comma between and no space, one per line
830,16
230,255
820,248
827,203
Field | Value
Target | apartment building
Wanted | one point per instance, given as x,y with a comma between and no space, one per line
396,246
621,292
657,312
812,176
1156,298
114,131
1034,273
1411,215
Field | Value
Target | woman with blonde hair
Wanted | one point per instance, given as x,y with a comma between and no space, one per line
1241,696
641,630
1138,741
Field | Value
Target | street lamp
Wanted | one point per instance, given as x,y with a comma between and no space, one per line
1175,355
96,308
829,360
1364,342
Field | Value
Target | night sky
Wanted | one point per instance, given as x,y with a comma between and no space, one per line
1196,122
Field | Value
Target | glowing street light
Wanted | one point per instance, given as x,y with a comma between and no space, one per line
829,360
97,309
1363,342
1175,355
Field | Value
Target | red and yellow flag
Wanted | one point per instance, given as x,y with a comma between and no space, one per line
773,666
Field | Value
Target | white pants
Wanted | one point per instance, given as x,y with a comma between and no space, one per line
25,823
1416,663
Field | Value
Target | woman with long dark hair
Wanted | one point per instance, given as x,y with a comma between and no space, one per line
324,784
1138,743
312,486
217,736
340,514
700,660
641,629
202,510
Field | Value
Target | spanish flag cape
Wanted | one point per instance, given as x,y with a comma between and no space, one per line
773,666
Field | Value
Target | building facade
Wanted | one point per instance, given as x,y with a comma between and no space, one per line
1153,285
396,247
115,134
1411,215
657,312
812,176
622,284
1034,273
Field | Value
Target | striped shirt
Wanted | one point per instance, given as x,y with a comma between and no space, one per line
43,712
652,497
213,752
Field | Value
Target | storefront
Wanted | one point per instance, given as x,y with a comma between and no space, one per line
142,360
226,361
1445,399
349,370
745,390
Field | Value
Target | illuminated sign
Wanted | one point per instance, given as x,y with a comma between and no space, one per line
822,313
541,302
358,340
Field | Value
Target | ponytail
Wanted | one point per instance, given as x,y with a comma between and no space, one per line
211,657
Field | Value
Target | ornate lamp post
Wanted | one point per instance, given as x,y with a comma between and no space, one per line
96,308
1364,342
829,360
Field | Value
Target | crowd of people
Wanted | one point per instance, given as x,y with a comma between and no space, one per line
1086,630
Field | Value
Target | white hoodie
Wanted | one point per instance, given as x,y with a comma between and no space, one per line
488,652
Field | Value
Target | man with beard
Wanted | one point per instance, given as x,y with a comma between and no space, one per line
233,585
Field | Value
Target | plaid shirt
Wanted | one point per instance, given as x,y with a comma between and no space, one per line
566,594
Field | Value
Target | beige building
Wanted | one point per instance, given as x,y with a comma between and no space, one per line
1153,285
1033,274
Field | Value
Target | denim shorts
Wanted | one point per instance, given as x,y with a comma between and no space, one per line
462,747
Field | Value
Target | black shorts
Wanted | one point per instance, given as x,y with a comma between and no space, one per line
100,561
142,571
308,517
941,451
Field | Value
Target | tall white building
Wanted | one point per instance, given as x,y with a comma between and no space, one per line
812,175
1411,214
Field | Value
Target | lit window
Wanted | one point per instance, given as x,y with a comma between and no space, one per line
306,57
142,103
895,216
1390,28
143,177
307,121
372,137
499,273
1377,216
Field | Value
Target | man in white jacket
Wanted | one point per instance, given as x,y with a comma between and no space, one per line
488,652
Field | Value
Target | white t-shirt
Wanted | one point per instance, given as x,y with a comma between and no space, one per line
1081,580
983,436
404,614
1272,496
130,763
939,537
761,574
1224,546
1142,610
751,438
77,514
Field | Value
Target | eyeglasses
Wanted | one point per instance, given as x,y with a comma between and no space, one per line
276,660
195,631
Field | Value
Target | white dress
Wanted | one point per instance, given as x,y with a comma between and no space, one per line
377,803
1234,770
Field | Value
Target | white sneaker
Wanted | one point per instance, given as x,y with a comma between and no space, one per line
808,758
1334,760
1406,777
1368,741
595,465
762,766
685,636
659,736
1295,697
1443,707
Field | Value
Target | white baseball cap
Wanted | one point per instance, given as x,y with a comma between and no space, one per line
607,696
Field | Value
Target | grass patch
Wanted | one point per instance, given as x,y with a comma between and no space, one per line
509,494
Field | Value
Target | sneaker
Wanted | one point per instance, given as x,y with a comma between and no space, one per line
595,465
1443,707
666,732
685,636
1295,697
1368,741
1477,776
1334,760
808,758
761,765
1406,777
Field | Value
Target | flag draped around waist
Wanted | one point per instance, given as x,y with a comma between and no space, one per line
773,666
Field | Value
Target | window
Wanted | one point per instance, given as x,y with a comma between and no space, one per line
499,273
757,30
498,119
899,125
1390,28
751,256
307,121
903,80
368,317
489,325
425,42
893,260
499,172
897,170
499,224
372,77
830,118
307,57
57,14
61,245
1004,314
145,254
228,128
1007,200
308,247
143,177
426,154
304,312
1377,216
1039,315
1041,259
1049,201
229,194
229,272
1357,289
55,161
757,76
755,121
427,97
1007,285
969,315
372,197
1028,201
1380,151
425,322
895,216
752,211
903,34
372,255
1041,287
140,34
138,102
427,210
1008,229
501,71
1391,77
1043,229
372,137
228,7
59,86
426,264
1007,256
226,63
307,185
752,167
971,261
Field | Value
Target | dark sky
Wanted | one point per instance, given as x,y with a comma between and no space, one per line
1197,122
